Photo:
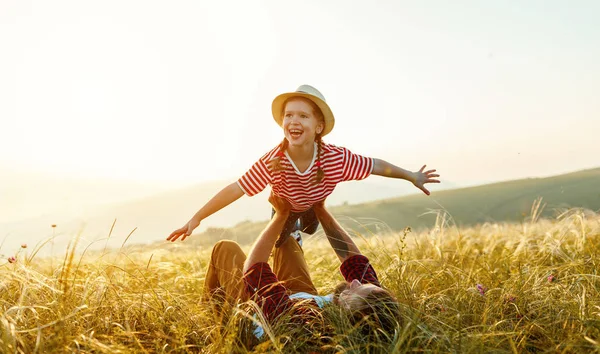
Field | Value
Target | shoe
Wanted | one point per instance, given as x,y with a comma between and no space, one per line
297,236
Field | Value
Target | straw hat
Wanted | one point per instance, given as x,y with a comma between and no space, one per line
312,94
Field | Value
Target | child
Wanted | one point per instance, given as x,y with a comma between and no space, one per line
302,168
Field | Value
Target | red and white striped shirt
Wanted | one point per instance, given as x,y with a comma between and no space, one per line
338,163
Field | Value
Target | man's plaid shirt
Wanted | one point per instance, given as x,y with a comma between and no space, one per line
263,286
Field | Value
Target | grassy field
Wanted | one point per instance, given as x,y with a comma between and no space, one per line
496,287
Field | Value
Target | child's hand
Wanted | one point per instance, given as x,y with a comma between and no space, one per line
184,231
424,177
280,205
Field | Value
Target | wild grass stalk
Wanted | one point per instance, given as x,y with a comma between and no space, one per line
495,287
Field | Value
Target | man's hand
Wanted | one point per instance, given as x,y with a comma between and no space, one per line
320,205
420,178
280,205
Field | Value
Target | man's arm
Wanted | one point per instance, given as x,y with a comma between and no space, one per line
262,247
260,282
338,238
354,264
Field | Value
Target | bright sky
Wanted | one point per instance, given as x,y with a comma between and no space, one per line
179,92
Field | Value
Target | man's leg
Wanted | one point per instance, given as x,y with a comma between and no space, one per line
290,268
224,274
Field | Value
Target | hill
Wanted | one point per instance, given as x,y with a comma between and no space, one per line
154,216
503,201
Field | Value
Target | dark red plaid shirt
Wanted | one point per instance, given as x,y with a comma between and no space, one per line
263,286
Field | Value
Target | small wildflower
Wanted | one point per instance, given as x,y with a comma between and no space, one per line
12,259
482,289
551,278
519,316
23,245
510,299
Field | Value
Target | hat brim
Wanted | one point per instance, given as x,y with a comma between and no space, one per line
277,109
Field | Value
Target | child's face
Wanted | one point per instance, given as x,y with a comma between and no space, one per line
300,125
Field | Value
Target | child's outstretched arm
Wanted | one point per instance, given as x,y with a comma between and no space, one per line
419,178
226,196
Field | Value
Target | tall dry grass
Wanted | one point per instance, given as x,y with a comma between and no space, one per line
497,287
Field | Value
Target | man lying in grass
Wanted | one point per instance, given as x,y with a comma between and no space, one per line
278,290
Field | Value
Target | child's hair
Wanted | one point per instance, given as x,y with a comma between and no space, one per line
284,144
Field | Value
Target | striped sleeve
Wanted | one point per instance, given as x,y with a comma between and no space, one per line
356,167
255,179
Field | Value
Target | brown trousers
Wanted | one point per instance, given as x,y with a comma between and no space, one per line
224,274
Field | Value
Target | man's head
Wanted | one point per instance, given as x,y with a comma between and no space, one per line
368,302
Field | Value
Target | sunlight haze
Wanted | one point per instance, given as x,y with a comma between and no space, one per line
164,95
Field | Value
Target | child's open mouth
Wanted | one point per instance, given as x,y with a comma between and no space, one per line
295,133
